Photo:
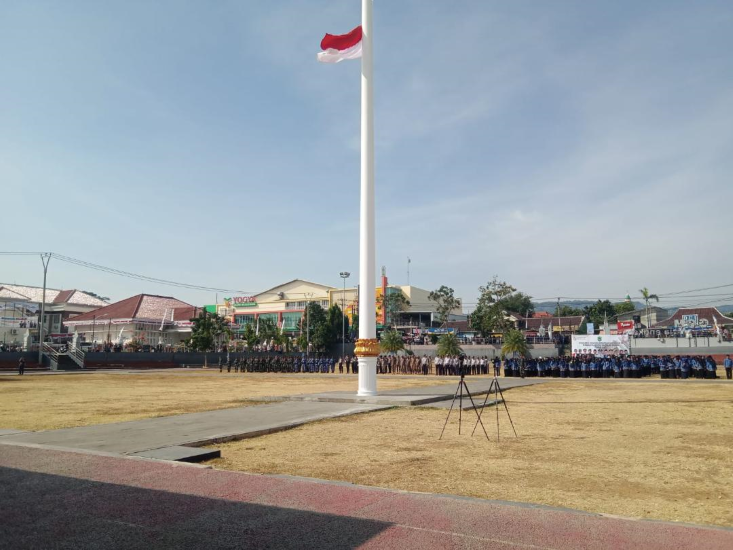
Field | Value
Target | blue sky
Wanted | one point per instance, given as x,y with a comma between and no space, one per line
578,149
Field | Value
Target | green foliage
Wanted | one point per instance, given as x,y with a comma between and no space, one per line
335,319
250,335
316,325
568,311
393,303
514,344
206,327
391,341
445,303
448,345
599,311
624,307
489,315
354,325
267,330
648,296
519,303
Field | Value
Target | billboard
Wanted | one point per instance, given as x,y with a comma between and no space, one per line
623,327
606,344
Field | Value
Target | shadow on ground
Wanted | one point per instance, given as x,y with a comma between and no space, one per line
44,511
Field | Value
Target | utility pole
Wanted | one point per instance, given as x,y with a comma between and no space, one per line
344,276
45,259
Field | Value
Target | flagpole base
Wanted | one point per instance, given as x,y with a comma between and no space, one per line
367,376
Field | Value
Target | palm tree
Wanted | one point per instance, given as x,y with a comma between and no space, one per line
448,345
647,296
515,344
392,341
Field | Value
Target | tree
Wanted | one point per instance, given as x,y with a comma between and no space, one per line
250,335
599,312
354,325
220,327
624,307
490,313
338,321
268,330
520,303
205,328
568,311
514,344
448,345
445,303
391,341
393,303
316,327
647,297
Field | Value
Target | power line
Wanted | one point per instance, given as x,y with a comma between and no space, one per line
127,274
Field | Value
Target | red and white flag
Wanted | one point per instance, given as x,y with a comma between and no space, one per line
336,48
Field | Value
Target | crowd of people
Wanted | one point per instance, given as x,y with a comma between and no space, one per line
623,366
580,366
288,363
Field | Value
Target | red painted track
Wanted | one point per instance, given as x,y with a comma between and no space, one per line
53,498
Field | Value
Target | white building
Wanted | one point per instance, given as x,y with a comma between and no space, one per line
149,319
20,307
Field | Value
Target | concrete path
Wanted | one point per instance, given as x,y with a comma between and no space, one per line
440,395
189,429
58,499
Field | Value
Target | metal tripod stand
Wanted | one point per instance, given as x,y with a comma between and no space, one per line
459,395
497,392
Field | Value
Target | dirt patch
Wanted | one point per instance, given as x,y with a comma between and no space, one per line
47,402
661,450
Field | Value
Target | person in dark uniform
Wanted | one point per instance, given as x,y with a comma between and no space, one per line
229,365
21,366
728,364
220,365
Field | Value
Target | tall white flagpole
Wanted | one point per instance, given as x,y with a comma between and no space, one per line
367,347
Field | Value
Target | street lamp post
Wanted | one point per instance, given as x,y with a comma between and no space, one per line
308,296
344,276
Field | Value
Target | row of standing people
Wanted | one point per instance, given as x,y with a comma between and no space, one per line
625,366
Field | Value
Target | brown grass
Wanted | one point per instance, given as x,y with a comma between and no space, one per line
47,402
661,450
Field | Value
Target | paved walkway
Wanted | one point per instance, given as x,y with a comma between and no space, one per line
188,429
58,499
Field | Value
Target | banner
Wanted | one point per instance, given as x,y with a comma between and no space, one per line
591,328
624,327
606,344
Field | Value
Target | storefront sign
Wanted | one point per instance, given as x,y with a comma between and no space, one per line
241,301
625,326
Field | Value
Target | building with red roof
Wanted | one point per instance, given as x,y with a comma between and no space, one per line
148,318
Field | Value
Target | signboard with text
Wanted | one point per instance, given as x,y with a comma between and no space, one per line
606,344
241,301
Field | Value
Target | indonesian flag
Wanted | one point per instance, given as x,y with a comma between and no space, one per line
336,48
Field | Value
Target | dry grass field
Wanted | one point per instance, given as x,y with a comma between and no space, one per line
647,450
47,402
